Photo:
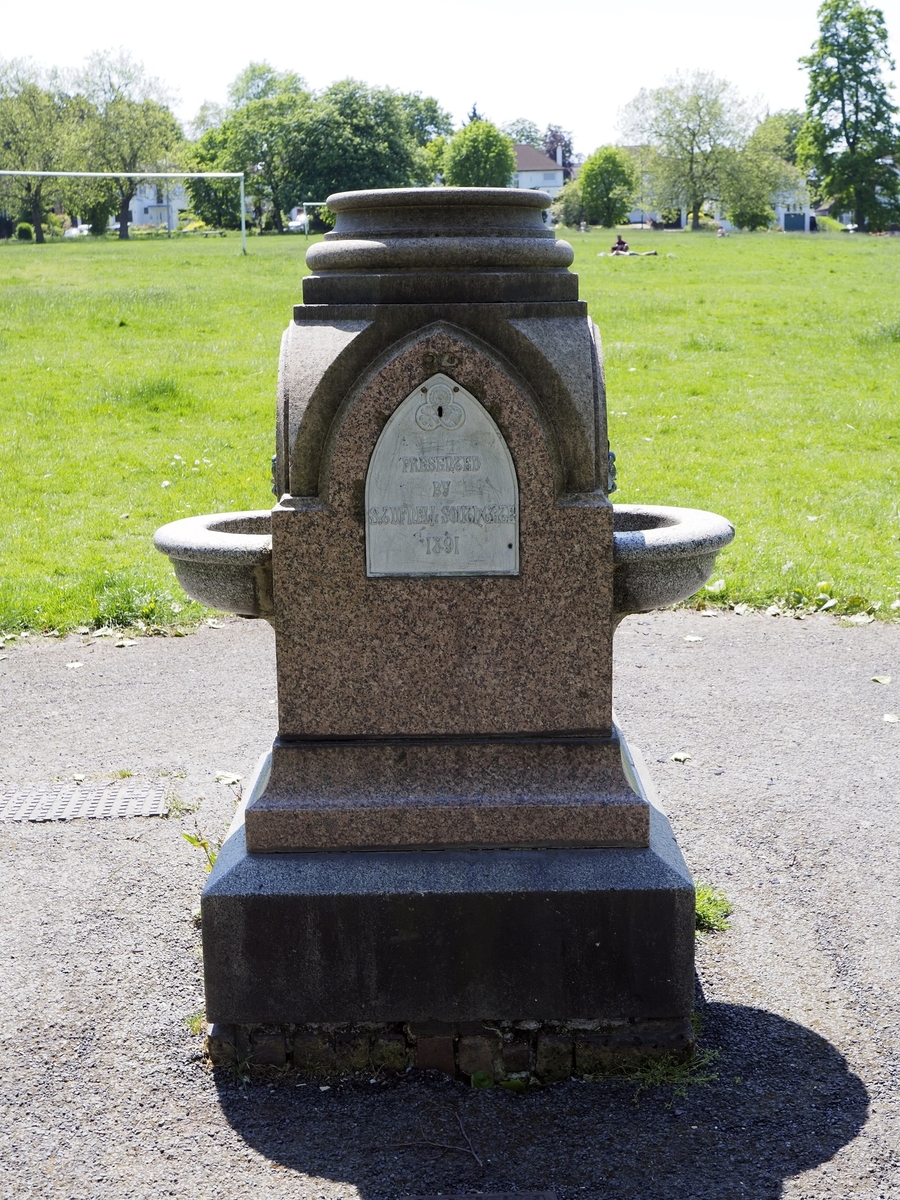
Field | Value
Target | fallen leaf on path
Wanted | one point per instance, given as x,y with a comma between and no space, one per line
692,637
214,624
892,718
881,679
742,609
126,642
73,666
228,777
681,756
859,619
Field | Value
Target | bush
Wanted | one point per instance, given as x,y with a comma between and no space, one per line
479,155
752,216
567,208
53,226
25,232
608,181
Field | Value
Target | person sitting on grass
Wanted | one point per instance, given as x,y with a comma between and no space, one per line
620,247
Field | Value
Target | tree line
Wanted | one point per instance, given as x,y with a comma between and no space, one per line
695,141
690,143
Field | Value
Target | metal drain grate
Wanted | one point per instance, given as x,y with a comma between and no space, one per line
68,801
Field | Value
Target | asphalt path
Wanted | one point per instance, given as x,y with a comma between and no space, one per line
789,800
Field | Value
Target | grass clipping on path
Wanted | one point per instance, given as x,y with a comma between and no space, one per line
751,375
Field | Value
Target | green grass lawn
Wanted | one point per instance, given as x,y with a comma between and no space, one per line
755,375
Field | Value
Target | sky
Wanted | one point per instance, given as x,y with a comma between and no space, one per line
575,66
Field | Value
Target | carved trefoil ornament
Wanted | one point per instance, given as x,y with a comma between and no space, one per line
442,496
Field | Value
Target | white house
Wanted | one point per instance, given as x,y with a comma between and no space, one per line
536,171
156,202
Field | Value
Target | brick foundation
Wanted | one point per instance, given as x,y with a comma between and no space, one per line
503,1050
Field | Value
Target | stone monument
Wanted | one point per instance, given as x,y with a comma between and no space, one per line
449,827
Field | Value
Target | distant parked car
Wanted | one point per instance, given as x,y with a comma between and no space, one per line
77,231
298,225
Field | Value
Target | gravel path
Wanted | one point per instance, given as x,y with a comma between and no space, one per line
790,801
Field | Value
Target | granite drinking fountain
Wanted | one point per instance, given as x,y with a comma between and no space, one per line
450,857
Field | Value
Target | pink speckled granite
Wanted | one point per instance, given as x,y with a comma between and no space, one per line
444,712
446,794
362,657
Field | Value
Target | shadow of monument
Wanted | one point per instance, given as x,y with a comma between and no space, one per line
784,1101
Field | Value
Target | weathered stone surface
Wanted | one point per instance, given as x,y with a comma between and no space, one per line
516,1057
553,1057
436,1054
221,1046
267,1048
477,1052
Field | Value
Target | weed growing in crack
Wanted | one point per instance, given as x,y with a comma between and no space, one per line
713,908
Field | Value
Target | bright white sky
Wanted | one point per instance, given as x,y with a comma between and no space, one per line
572,64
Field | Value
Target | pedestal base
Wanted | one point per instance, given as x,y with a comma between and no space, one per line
450,936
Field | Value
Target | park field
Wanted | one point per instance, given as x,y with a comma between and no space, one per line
756,375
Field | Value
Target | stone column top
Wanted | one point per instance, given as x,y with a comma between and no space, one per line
419,245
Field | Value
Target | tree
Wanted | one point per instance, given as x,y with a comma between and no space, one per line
523,133
567,207
849,140
425,118
778,132
752,178
608,182
260,81
559,139
479,155
262,138
690,123
215,201
40,130
355,136
133,129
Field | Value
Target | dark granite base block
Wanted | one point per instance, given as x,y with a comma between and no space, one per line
449,935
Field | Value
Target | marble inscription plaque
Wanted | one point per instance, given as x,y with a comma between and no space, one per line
441,491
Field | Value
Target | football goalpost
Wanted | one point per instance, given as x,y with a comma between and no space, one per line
148,175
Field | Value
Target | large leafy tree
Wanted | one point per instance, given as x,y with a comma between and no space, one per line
356,136
849,141
691,124
41,129
133,129
479,155
524,133
608,182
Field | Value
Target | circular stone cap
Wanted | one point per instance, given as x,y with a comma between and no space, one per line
425,244
438,197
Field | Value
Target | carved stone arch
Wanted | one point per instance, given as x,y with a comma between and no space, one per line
409,361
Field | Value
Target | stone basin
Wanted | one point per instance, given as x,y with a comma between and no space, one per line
661,555
223,560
